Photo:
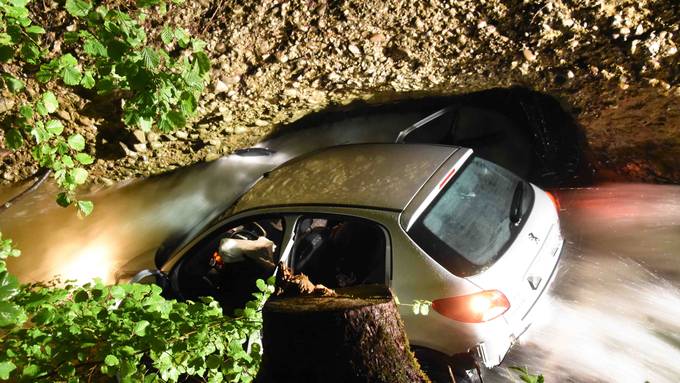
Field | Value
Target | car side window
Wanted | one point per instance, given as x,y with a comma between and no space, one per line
339,251
227,262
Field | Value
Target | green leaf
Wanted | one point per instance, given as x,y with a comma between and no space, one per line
88,81
81,296
147,3
30,52
9,286
67,60
111,360
31,370
35,29
13,84
10,314
213,362
203,62
176,119
94,48
6,368
39,133
55,127
78,8
86,207
84,158
183,38
6,53
117,292
188,103
140,327
167,35
76,142
45,74
71,76
40,108
150,58
50,102
67,161
79,175
261,285
63,199
145,124
197,45
14,139
26,111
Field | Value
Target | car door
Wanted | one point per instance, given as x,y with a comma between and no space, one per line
226,261
340,250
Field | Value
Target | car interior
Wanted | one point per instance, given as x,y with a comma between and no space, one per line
335,251
204,272
340,251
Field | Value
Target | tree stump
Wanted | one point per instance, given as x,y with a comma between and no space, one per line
354,336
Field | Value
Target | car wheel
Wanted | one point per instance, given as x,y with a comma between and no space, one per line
437,367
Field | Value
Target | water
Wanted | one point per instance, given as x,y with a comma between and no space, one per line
612,314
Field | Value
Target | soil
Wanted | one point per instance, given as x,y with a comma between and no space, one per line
612,63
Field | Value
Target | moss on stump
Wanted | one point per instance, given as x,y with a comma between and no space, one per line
356,336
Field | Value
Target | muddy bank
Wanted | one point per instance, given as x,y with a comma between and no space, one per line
612,63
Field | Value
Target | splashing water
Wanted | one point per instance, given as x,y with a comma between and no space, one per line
612,315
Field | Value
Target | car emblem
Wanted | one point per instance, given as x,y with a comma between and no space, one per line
534,281
533,237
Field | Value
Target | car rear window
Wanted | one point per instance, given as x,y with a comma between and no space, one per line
468,226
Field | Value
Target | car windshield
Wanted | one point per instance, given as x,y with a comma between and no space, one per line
469,225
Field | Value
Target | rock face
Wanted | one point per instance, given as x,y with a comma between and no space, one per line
354,337
612,63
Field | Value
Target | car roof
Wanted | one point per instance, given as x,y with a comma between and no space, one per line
382,176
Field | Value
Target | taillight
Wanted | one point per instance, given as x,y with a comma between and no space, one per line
554,200
473,308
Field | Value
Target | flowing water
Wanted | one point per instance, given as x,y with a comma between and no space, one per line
613,314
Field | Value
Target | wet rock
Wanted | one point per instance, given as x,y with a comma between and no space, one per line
85,121
220,87
64,115
128,152
354,50
139,136
107,181
377,38
153,137
212,157
6,104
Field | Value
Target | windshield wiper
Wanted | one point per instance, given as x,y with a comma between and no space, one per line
516,205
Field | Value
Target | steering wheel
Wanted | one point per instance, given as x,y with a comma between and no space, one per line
309,246
250,231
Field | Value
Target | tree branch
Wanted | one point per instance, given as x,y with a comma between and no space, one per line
40,179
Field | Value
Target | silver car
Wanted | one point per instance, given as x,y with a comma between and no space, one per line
435,223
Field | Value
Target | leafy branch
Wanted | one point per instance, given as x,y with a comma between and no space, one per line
107,51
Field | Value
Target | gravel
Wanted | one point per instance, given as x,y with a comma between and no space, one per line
613,63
